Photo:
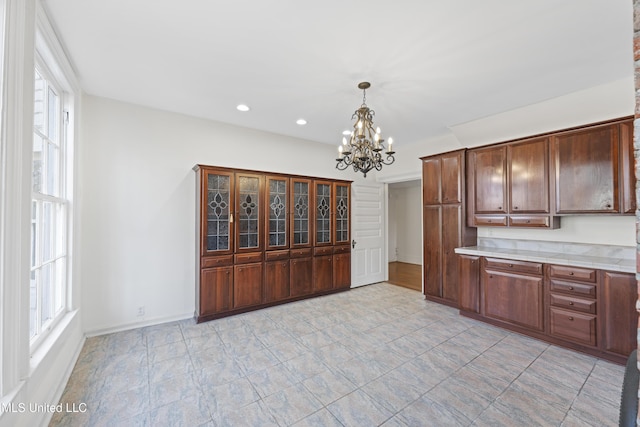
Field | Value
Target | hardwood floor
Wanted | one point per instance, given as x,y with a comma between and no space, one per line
406,275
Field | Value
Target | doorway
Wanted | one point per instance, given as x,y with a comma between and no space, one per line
405,234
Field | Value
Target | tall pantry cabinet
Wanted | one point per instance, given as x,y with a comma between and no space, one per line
267,238
444,224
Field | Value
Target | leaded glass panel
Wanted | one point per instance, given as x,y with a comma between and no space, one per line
342,213
248,202
277,213
323,213
300,213
218,210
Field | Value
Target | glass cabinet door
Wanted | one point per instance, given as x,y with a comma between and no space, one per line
217,215
277,199
323,212
342,213
301,213
248,224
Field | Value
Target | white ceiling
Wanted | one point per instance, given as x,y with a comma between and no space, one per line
432,64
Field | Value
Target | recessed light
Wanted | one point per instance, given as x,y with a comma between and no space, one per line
346,132
242,107
301,122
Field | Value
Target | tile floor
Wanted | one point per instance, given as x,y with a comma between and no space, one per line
375,355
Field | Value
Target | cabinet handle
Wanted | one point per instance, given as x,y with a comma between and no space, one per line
571,318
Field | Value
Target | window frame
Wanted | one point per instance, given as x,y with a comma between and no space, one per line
59,201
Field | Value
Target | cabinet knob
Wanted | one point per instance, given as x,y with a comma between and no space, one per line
571,274
570,288
570,318
473,261
499,208
515,207
510,265
528,221
491,276
570,302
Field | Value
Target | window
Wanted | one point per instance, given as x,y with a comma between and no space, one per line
49,208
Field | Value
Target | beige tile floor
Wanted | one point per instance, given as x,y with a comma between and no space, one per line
376,355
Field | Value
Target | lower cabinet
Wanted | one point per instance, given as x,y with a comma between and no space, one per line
584,309
469,268
512,296
301,278
276,280
342,270
216,285
618,295
247,285
322,273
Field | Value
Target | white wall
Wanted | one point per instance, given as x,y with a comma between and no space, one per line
138,203
405,223
604,102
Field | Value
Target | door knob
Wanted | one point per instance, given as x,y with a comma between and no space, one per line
353,244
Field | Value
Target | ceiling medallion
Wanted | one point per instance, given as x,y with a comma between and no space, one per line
364,148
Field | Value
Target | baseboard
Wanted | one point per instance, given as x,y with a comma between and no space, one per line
135,325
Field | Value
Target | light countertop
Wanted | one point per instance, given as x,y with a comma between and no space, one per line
602,257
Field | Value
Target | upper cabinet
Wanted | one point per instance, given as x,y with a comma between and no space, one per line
444,178
323,209
249,212
510,185
593,168
301,212
342,213
217,214
532,182
277,211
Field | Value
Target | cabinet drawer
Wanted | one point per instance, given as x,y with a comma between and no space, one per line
580,289
510,265
344,249
327,250
276,255
219,261
247,258
573,273
529,221
490,220
576,327
300,253
573,303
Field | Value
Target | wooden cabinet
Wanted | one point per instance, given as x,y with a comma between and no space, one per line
577,307
594,169
216,286
572,306
276,280
510,185
247,285
469,283
586,168
444,224
342,267
618,295
513,293
301,275
267,238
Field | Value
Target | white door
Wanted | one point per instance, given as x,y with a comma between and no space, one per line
368,257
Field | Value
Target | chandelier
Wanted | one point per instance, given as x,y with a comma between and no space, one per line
364,148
